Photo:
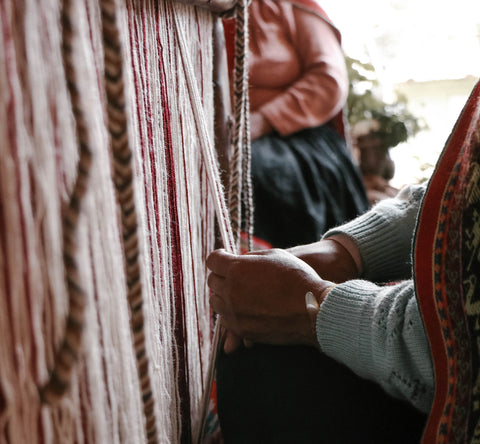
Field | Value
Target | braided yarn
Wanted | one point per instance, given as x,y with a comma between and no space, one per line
68,352
142,227
240,180
123,179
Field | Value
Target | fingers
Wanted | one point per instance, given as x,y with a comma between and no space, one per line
259,252
219,293
218,304
219,261
232,342
217,283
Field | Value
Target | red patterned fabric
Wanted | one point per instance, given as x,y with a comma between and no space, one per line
447,267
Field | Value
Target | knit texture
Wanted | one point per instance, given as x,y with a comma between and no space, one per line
377,331
384,235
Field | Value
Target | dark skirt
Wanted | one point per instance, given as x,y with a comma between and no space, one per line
295,394
303,185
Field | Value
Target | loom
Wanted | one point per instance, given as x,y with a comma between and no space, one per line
109,195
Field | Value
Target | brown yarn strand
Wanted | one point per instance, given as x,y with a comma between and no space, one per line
123,179
241,138
247,187
247,191
67,354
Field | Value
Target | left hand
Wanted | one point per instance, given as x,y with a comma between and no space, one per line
378,189
259,125
261,296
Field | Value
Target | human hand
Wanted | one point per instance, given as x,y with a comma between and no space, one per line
378,189
329,258
260,296
212,5
259,125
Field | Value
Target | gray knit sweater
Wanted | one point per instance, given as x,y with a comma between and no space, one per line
377,330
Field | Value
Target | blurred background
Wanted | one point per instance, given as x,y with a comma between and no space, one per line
412,62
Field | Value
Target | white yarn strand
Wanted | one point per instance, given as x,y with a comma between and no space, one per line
37,169
207,148
220,206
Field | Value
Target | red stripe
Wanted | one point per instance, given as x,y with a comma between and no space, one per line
176,255
423,255
142,92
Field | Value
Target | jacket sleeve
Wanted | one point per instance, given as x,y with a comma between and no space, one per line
378,333
321,91
384,235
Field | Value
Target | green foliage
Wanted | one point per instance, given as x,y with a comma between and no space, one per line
397,123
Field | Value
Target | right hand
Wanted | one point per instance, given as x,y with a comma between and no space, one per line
261,296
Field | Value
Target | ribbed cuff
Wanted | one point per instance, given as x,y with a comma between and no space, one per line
383,237
343,324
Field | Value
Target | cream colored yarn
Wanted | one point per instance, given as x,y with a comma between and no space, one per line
38,166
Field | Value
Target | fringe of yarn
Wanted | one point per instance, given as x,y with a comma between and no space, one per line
123,178
175,219
240,184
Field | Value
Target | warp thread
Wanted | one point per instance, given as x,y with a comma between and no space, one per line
229,222
39,161
123,178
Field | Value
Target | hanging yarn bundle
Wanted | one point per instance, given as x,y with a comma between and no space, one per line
142,225
240,186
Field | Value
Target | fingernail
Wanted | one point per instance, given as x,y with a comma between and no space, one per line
311,302
247,343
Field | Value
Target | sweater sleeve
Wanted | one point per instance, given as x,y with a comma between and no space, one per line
321,91
378,333
384,235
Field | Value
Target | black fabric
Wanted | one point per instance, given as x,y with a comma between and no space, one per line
272,394
303,185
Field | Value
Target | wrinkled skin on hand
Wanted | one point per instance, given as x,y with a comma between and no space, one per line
329,259
212,5
261,296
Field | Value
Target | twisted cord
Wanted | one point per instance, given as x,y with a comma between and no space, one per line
240,93
247,191
123,180
67,354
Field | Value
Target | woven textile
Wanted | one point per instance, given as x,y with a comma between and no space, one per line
447,269
175,216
